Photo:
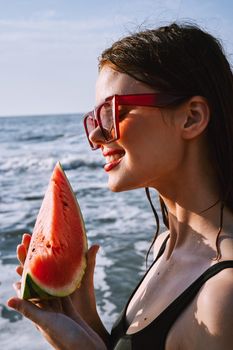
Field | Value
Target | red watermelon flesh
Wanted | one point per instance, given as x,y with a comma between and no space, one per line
56,258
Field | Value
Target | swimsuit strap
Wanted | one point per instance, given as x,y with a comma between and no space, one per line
120,327
162,324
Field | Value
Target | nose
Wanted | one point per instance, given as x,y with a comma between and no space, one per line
96,136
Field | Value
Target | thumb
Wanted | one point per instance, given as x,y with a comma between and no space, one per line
69,310
91,260
84,297
91,254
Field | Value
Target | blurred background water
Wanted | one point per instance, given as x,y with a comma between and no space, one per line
121,223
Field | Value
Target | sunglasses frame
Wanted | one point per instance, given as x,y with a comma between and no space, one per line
142,100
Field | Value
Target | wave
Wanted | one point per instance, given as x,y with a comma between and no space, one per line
17,165
80,163
39,138
12,233
33,198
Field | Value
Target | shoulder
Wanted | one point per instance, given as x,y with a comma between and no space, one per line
216,294
215,309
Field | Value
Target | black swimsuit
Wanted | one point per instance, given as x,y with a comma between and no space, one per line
154,335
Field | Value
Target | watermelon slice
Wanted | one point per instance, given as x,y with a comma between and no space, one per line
56,258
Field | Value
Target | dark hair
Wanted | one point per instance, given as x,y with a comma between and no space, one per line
185,60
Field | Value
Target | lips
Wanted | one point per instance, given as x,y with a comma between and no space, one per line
113,158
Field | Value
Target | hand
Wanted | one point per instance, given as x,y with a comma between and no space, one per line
83,299
59,323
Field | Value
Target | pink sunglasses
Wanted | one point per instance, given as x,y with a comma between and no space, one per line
106,115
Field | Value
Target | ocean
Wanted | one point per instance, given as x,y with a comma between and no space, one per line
121,223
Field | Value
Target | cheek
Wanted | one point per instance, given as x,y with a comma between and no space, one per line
149,147
123,127
131,130
127,124
139,142
140,136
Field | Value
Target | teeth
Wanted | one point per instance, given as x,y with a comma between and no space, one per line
113,157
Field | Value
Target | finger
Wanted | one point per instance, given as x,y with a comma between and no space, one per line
91,261
51,304
92,252
29,310
21,253
84,297
26,239
56,328
17,288
87,283
68,307
54,305
19,270
70,311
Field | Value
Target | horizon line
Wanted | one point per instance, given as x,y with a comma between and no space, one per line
41,115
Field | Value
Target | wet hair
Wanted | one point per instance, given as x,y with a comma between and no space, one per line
183,59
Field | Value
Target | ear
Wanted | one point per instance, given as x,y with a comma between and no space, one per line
197,117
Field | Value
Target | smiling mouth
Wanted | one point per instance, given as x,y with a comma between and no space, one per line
113,158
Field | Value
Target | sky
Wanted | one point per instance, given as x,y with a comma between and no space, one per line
49,48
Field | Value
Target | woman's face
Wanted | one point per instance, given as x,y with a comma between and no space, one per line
149,148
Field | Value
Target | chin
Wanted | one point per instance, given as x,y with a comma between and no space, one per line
117,186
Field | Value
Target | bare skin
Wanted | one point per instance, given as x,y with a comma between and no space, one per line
172,159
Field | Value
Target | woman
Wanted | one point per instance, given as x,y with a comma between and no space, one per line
164,120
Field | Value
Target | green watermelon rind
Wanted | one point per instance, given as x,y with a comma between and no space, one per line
33,291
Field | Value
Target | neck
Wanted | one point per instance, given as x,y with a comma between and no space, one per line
194,220
191,195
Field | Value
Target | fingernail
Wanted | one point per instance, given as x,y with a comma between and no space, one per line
12,303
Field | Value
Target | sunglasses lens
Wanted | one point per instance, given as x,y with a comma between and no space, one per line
90,124
103,117
106,116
